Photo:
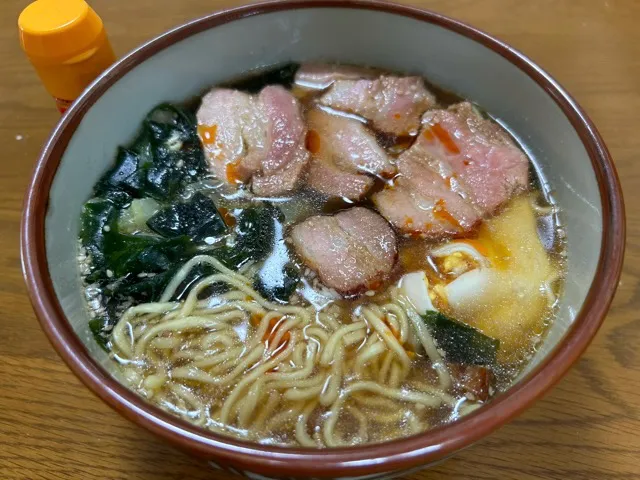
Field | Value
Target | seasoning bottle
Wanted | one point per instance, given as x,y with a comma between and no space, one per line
66,42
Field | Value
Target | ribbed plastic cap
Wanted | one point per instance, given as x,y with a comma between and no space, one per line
58,28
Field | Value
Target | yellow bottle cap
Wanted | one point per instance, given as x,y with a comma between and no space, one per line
58,29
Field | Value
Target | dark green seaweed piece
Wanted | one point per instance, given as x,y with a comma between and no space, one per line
461,343
172,170
135,254
196,274
99,217
165,156
150,286
277,285
283,75
125,175
168,122
198,218
142,147
231,257
102,326
120,198
278,277
114,255
178,158
147,288
139,267
256,230
128,174
255,236
97,327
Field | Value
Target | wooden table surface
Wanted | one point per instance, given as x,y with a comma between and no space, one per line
587,428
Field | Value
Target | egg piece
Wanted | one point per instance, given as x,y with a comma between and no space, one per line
415,286
508,302
471,289
460,247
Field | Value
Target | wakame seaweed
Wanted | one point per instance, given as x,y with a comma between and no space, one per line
461,343
258,233
166,156
99,328
132,260
126,175
278,276
147,288
197,218
102,325
136,267
135,254
255,236
99,217
197,273
278,287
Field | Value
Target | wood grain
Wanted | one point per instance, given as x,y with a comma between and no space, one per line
52,427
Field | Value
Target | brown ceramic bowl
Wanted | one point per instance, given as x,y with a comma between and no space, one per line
569,151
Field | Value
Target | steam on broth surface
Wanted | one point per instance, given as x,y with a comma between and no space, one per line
320,256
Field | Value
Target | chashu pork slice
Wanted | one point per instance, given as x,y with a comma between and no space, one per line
480,153
286,157
461,168
392,104
423,202
352,251
345,156
257,138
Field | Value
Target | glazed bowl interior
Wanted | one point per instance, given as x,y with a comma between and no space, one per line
186,62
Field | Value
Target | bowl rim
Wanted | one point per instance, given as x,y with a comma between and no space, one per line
395,455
